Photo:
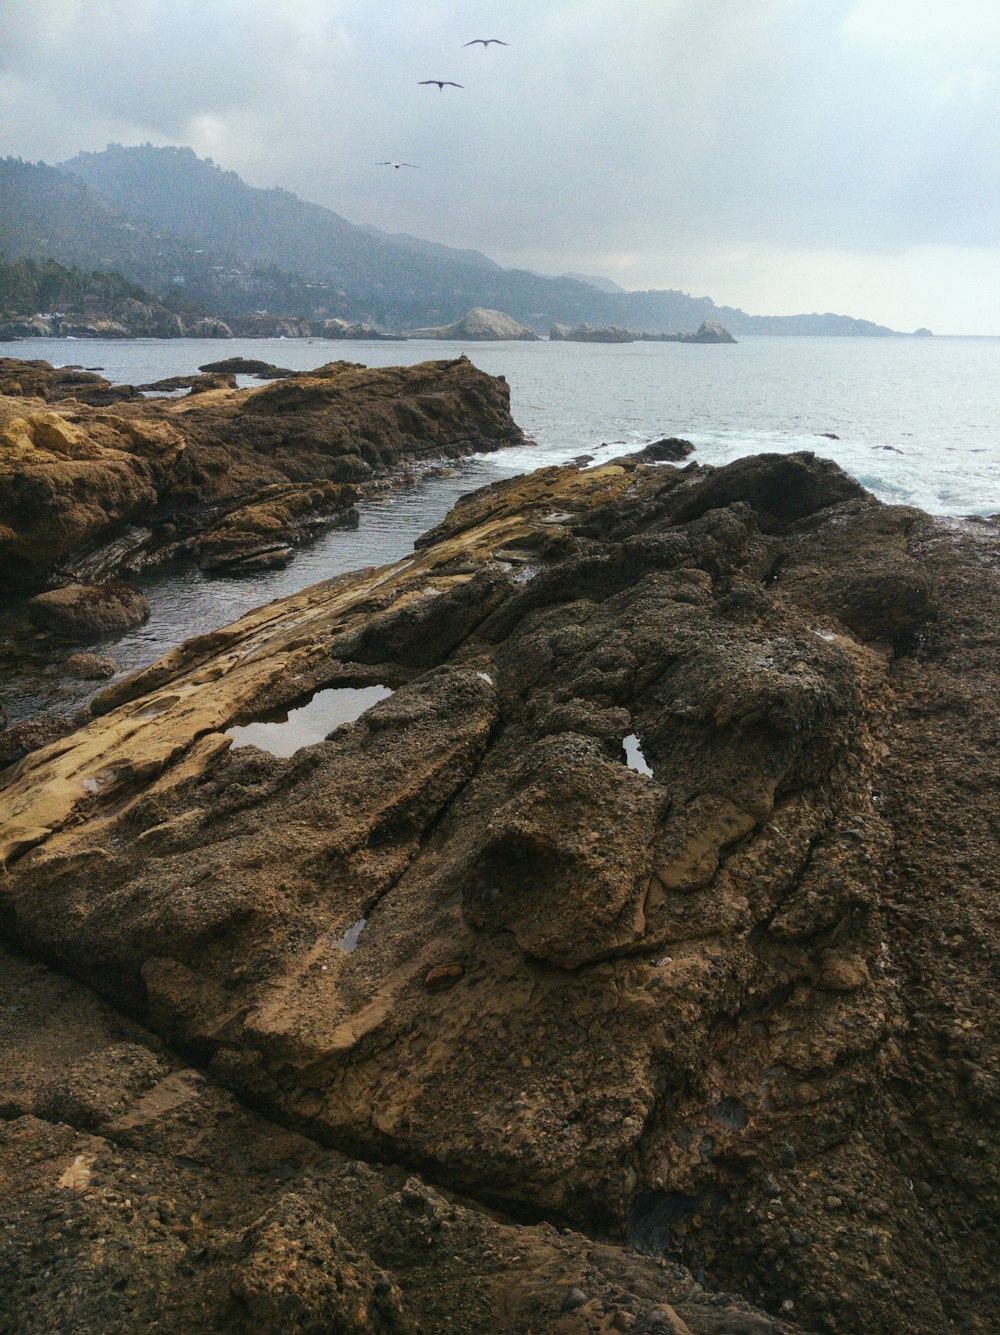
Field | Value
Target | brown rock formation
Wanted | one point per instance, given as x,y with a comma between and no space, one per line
281,456
737,1008
89,611
137,1193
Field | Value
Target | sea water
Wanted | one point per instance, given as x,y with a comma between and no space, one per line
916,420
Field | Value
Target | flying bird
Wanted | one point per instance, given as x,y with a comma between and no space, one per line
485,42
442,83
397,165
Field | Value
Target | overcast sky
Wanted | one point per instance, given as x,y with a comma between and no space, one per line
779,155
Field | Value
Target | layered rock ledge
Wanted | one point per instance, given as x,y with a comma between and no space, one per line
96,480
658,901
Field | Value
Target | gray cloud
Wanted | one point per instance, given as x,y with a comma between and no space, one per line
642,138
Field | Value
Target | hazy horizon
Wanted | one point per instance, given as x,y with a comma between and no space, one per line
780,157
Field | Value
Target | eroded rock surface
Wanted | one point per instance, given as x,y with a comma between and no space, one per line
225,476
737,1009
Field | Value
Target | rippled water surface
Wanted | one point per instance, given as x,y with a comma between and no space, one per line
916,420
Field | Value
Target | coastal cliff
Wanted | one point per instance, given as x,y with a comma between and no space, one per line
653,903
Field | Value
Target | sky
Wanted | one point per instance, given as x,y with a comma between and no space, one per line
783,156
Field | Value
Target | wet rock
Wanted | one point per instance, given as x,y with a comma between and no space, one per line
91,667
670,448
17,740
248,366
89,611
75,478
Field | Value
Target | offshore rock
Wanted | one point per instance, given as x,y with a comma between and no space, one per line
734,1004
709,331
222,469
585,333
480,324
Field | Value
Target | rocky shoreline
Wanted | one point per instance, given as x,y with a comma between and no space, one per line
627,968
97,480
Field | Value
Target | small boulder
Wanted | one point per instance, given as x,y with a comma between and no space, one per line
89,611
91,667
671,448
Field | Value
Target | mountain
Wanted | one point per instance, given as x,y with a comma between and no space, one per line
176,223
602,284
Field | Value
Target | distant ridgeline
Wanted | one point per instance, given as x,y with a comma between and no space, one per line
187,231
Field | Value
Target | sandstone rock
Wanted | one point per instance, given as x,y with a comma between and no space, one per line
91,667
17,740
779,938
71,480
89,611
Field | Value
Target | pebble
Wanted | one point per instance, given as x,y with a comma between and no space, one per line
574,1298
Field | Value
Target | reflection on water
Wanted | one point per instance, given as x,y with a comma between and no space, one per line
284,733
633,755
348,943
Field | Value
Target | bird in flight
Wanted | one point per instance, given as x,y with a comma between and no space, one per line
484,42
397,165
442,83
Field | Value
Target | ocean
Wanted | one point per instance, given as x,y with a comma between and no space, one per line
916,420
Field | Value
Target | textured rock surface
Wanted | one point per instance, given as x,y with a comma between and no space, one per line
137,1194
738,1009
222,475
89,611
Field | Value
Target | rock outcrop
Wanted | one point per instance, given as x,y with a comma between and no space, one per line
224,476
89,611
657,900
586,333
709,331
481,325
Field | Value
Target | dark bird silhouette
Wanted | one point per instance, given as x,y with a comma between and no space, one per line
484,42
397,165
442,83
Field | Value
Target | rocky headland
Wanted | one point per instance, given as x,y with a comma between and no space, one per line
631,966
97,480
709,331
